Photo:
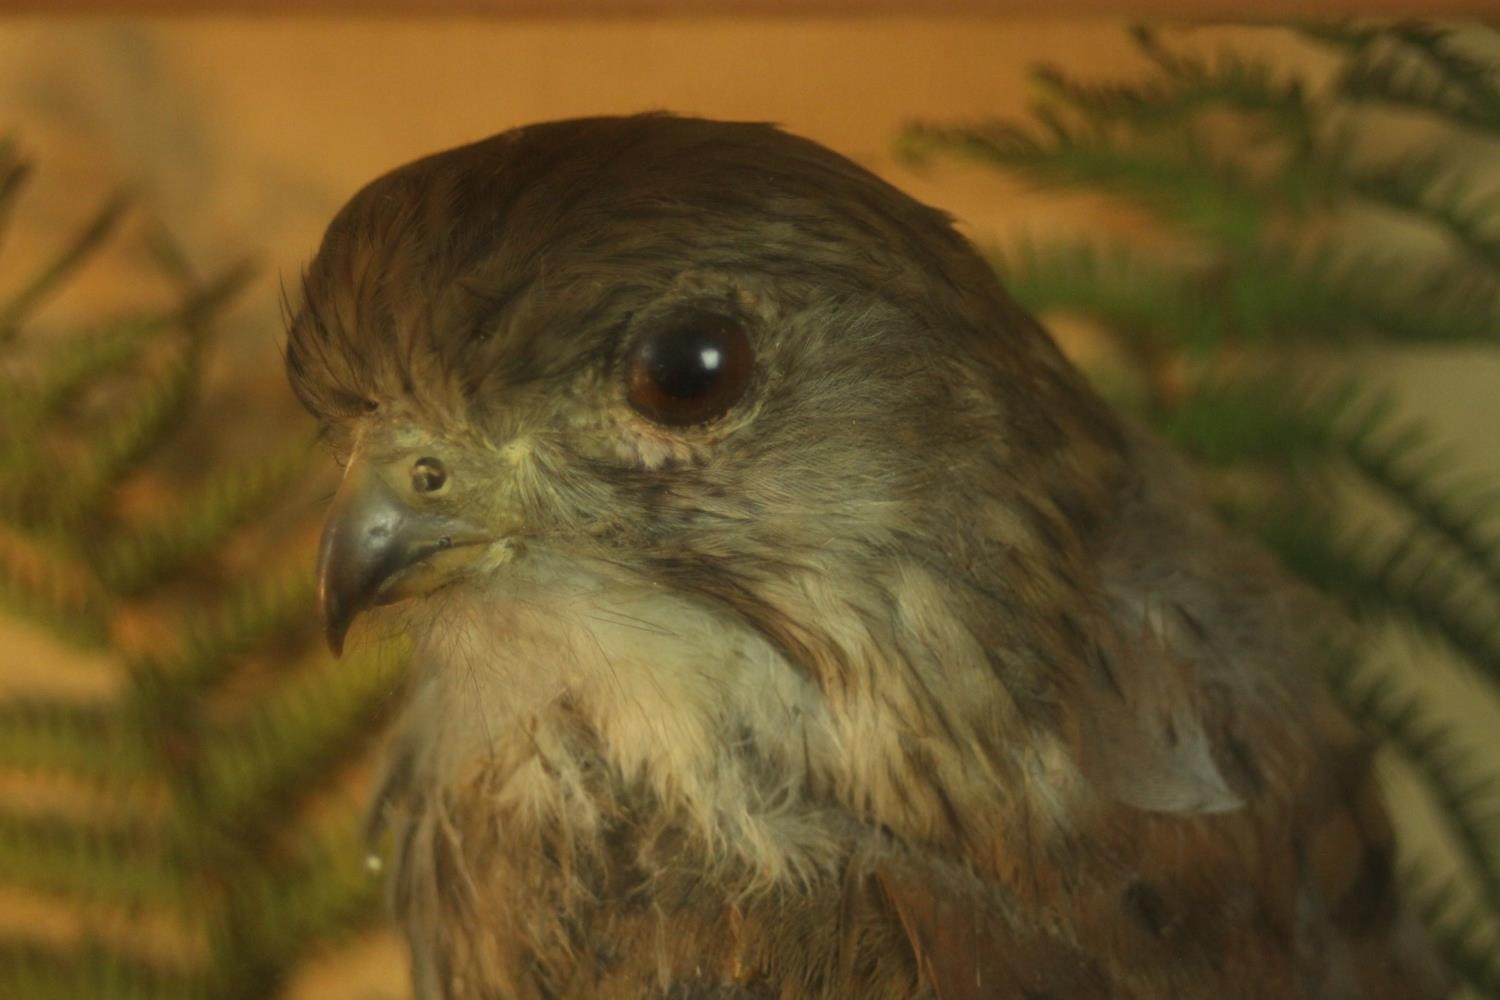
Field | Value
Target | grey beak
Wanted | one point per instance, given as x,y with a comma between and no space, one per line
372,542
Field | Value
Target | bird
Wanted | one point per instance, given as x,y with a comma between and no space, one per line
788,618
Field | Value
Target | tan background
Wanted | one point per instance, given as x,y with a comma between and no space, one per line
244,134
1257,11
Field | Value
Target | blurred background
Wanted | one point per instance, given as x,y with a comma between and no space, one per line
1279,245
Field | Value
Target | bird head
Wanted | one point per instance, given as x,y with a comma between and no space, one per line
705,354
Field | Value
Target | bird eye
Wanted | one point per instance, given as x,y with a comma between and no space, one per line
690,372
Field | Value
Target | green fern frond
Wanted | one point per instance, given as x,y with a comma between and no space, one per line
1459,778
1431,188
1182,184
1462,932
13,174
1349,36
88,741
1278,192
203,302
94,859
1278,420
86,358
330,887
192,779
1248,420
1190,87
294,740
155,410
257,612
1438,81
142,556
323,892
1328,294
1423,584
93,234
1474,78
1397,460
1334,294
1136,293
36,972
117,450
28,404
48,586
1416,582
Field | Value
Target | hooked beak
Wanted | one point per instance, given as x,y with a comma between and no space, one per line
378,549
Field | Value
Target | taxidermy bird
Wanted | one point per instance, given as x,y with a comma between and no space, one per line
791,620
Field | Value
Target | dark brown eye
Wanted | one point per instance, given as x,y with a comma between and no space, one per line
691,371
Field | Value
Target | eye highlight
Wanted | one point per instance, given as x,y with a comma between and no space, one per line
691,371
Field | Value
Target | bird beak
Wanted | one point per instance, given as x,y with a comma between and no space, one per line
378,549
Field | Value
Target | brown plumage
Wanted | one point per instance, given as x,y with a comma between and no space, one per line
791,620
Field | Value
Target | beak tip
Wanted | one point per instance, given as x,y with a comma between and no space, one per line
336,623
357,551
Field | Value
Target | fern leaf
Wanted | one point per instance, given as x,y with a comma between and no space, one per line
1430,188
45,586
1151,304
1249,420
1461,931
1441,84
107,860
84,359
1183,186
201,761
1466,791
1412,581
203,302
1344,35
1334,294
292,741
13,174
1395,460
1327,294
155,412
1473,78
98,229
325,891
267,607
143,555
86,741
37,972
1189,87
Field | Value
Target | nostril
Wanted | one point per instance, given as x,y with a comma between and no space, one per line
428,475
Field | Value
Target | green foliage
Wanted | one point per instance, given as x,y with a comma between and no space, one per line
193,827
1267,191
